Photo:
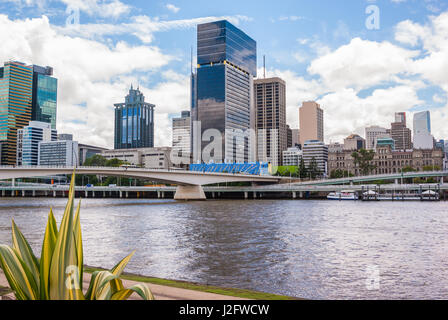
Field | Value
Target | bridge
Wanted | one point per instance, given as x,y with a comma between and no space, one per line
392,176
189,183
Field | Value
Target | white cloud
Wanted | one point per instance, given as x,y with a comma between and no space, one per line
92,76
172,8
102,8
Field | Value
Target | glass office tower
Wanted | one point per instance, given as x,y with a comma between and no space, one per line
44,101
222,90
134,122
16,85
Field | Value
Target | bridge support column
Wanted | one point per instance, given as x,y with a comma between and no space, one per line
86,194
13,182
189,193
104,194
396,181
93,194
158,194
127,194
34,193
246,195
3,193
255,195
301,194
294,195
54,194
23,193
121,194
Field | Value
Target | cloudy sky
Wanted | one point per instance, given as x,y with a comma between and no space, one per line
361,69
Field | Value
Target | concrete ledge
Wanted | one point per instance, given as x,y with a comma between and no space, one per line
190,193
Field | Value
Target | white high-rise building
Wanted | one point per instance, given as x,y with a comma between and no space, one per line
316,150
372,134
181,139
423,138
28,139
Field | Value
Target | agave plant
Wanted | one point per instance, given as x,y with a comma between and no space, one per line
58,274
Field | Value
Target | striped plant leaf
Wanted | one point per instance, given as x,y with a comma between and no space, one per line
99,288
65,256
50,237
24,251
18,275
141,289
78,244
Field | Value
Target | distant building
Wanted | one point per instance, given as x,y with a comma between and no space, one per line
400,133
295,141
316,150
423,138
382,142
65,136
58,153
387,160
311,120
181,142
372,133
335,147
354,142
16,91
152,158
274,136
28,139
45,95
292,156
86,151
223,92
134,122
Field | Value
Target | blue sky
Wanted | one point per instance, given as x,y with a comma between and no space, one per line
322,49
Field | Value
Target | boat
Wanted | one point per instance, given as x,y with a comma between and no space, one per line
343,195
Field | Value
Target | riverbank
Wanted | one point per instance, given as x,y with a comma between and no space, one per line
164,289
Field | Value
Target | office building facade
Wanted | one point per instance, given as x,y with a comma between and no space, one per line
134,122
315,150
372,134
16,88
45,94
28,139
272,131
150,158
311,120
423,138
181,142
58,153
222,94
86,151
292,156
354,142
400,133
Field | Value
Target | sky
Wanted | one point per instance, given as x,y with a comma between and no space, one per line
362,60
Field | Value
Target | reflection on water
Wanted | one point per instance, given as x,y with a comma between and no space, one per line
311,249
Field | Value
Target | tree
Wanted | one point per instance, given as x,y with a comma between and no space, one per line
338,173
363,159
408,169
313,169
95,161
302,169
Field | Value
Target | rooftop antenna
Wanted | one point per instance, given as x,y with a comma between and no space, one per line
264,66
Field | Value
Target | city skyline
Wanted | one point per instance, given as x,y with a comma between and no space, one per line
148,55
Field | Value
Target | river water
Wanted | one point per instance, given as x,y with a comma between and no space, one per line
309,249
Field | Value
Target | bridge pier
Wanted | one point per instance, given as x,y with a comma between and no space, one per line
13,193
246,195
189,193
127,194
294,195
54,194
34,193
121,194
86,194
23,193
3,193
255,194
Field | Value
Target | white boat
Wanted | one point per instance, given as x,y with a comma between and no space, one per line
343,195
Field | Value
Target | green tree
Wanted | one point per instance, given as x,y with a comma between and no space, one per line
302,169
408,169
313,169
95,161
363,159
338,173
431,168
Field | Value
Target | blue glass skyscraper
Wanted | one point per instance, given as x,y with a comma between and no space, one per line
45,93
222,89
134,122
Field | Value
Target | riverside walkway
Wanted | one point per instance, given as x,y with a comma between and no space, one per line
160,292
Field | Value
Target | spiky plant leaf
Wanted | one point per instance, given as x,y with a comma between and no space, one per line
65,257
50,237
24,251
18,275
141,289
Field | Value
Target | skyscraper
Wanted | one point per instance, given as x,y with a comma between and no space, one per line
311,119
222,92
272,133
134,122
400,133
16,86
423,138
45,95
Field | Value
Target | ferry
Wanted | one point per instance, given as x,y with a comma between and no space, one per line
343,195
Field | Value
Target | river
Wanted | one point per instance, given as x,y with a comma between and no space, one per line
309,249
